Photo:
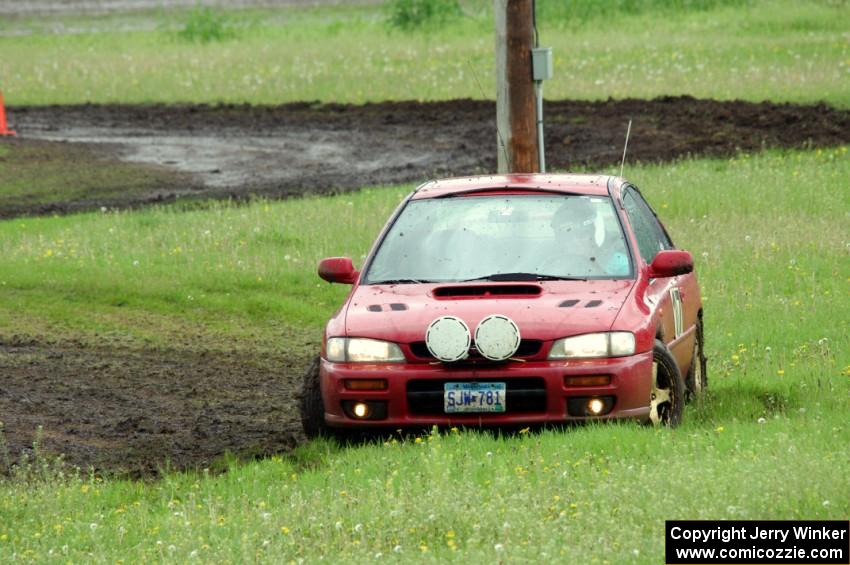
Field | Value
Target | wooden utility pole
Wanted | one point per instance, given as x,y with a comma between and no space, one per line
515,96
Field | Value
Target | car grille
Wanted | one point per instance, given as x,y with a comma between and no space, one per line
527,348
527,394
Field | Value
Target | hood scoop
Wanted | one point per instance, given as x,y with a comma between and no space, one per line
489,291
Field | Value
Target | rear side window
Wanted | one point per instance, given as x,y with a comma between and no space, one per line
650,236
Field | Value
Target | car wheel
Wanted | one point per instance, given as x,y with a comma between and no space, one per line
697,379
311,407
668,388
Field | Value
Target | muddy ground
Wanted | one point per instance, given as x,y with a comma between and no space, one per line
129,410
136,412
294,149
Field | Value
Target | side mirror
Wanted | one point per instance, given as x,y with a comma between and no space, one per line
670,263
338,270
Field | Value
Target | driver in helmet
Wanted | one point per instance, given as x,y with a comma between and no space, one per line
575,229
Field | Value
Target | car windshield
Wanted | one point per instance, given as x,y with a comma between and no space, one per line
503,237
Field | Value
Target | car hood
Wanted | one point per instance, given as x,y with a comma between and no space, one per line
545,311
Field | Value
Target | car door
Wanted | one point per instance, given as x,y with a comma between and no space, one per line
671,296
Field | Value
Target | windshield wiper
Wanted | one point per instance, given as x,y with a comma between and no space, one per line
499,277
401,281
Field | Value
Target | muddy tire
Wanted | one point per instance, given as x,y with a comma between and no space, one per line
667,397
697,377
311,407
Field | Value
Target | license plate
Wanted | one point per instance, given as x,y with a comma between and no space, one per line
473,397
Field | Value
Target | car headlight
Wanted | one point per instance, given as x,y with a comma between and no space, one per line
608,344
362,350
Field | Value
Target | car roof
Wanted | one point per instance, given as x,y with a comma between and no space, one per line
592,185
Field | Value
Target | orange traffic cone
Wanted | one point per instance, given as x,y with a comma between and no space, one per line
3,129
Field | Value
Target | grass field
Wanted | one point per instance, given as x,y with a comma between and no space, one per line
550,497
780,50
771,239
770,234
43,174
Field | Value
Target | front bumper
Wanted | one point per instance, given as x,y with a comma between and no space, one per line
413,396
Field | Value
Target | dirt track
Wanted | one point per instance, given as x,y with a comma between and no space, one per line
136,411
132,410
293,149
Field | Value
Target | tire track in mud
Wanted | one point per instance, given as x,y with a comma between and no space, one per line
239,151
137,411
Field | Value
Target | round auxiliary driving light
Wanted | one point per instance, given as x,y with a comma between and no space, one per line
448,339
497,337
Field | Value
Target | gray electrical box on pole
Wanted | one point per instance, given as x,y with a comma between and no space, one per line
541,63
515,87
541,69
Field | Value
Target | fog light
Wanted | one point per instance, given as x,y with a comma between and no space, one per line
363,410
584,406
595,406
360,410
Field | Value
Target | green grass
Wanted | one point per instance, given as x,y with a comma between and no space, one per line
204,25
771,238
54,173
224,265
597,494
581,11
407,15
769,49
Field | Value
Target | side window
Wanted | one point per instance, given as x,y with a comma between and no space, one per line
651,237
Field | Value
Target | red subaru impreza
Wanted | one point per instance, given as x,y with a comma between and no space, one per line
511,300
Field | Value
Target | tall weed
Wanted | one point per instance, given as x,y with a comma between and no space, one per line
34,465
414,14
205,25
